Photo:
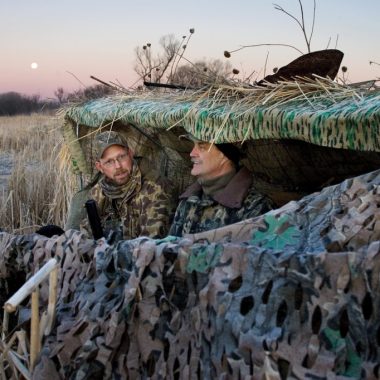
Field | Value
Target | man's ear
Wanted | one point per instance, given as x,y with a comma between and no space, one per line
131,153
98,166
223,158
226,161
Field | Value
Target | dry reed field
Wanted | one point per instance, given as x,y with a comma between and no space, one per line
36,183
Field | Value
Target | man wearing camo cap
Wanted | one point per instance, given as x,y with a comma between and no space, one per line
129,200
224,193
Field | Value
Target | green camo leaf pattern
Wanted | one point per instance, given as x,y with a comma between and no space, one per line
203,258
353,363
279,234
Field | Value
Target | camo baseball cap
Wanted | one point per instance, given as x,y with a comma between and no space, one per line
105,139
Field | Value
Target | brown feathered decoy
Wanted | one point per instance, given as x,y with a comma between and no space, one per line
324,63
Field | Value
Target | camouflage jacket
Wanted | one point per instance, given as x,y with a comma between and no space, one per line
145,213
239,200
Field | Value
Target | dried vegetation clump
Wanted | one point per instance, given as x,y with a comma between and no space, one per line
40,184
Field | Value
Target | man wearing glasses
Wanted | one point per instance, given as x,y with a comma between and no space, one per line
128,200
223,193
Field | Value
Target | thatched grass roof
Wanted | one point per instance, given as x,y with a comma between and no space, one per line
320,112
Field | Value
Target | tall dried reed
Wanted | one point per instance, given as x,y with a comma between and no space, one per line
40,184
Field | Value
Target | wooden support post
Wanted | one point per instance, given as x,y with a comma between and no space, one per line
35,343
32,287
53,282
4,332
11,305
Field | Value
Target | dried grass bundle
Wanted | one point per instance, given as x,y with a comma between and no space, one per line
41,181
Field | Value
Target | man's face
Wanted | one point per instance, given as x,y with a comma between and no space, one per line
208,161
116,164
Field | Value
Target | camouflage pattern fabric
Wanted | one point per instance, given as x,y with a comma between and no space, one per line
144,212
327,114
292,294
106,139
199,212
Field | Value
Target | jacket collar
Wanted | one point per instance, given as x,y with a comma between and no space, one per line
232,196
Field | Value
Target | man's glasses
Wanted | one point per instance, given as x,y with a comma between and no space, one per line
112,162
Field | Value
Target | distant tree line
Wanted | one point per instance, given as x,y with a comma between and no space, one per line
14,103
87,93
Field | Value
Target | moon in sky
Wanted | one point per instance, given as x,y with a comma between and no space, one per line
34,65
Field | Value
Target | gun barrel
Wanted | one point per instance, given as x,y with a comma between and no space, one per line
94,219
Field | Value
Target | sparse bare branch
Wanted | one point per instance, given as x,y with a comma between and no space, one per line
155,68
328,43
302,19
313,22
249,76
69,72
248,46
184,48
281,9
301,23
266,62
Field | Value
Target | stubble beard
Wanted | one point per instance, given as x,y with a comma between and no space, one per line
122,181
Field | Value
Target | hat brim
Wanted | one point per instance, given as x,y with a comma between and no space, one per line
189,137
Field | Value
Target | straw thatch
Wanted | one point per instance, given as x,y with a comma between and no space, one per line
295,137
322,113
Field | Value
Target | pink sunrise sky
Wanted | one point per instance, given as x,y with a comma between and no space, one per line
97,37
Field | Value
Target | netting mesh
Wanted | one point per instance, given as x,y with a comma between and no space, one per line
291,294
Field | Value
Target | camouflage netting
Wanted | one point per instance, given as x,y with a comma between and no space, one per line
292,294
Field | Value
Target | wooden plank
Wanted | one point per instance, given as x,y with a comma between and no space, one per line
11,305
